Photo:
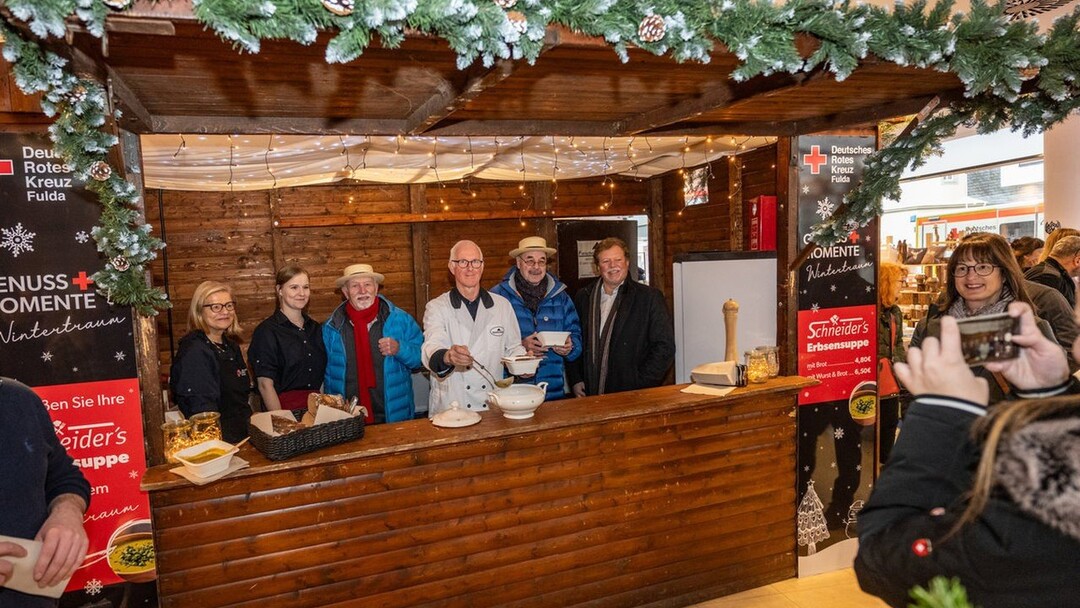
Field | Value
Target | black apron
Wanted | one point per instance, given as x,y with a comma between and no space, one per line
235,388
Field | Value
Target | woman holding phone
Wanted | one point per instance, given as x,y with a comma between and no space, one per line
983,279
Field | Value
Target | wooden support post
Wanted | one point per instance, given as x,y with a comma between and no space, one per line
787,224
658,271
420,249
735,200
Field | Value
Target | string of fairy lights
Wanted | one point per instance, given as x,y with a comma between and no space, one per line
605,157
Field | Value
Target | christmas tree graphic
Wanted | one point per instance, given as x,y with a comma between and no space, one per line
811,523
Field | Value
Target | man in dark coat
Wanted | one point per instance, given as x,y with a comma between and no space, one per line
628,335
1058,270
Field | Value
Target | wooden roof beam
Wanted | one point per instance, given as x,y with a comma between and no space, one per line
872,114
477,80
479,128
721,97
224,125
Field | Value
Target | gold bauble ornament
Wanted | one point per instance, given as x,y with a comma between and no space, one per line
100,171
518,21
339,7
506,3
652,29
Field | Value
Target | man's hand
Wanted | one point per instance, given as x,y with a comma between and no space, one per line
388,347
458,355
1041,363
579,389
565,349
938,368
533,345
7,567
64,540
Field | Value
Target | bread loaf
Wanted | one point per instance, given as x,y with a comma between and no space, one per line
284,425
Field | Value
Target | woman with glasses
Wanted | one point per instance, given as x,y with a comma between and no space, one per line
208,372
983,278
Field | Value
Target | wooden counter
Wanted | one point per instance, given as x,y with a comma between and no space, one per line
649,497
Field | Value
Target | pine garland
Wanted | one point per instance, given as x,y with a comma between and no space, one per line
994,58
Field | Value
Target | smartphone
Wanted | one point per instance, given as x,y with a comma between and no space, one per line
988,338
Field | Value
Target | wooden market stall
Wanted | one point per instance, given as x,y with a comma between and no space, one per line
650,497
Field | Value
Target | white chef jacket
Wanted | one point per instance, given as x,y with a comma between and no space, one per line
493,335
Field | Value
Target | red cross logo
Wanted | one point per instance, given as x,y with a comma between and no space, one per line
82,280
853,237
815,159
7,167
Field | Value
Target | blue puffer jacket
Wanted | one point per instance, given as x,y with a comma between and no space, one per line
555,313
397,370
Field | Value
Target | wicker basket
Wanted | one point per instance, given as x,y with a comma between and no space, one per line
307,440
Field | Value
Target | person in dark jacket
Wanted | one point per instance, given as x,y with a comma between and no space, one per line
541,303
208,373
628,335
43,495
1016,542
1027,250
372,348
286,352
983,278
1059,268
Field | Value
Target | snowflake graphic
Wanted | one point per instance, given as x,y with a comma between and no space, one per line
46,356
81,236
832,465
93,587
858,467
133,474
824,208
17,239
838,434
814,307
75,369
119,356
832,287
806,189
868,290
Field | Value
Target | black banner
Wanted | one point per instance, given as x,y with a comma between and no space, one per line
54,327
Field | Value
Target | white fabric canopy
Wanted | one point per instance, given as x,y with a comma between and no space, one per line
260,162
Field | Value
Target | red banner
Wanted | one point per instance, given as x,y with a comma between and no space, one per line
100,426
839,350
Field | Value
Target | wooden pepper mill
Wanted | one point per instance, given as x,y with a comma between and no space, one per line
731,318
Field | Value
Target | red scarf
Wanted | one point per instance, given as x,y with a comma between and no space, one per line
365,367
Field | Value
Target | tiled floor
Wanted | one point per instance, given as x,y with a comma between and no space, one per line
833,590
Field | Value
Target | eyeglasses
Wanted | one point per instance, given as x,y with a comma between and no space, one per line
982,270
468,263
216,308
534,263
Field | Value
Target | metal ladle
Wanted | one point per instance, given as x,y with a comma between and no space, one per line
505,382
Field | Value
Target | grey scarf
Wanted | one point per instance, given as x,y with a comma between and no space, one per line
959,307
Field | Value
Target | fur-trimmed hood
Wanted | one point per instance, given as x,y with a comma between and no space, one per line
1039,467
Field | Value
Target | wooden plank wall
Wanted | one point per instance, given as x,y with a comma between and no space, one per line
667,505
242,238
707,227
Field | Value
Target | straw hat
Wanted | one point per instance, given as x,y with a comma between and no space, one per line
356,271
532,243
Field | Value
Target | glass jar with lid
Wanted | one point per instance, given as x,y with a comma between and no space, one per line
772,359
177,435
206,426
757,366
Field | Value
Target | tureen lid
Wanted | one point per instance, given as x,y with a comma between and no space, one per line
455,417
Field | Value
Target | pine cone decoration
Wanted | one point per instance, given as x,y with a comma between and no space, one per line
339,7
505,3
518,21
78,94
652,29
100,171
117,4
120,263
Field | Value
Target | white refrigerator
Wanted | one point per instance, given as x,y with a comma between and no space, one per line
702,283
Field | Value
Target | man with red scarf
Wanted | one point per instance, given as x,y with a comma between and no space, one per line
372,348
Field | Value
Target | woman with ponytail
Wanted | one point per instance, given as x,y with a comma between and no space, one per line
988,495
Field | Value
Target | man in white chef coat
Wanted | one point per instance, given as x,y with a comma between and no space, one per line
465,326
